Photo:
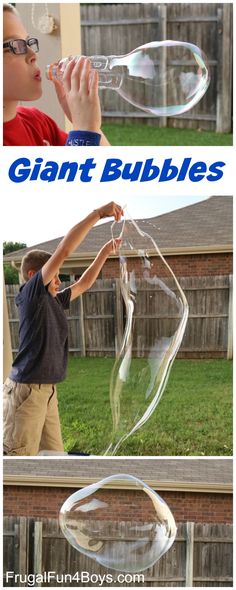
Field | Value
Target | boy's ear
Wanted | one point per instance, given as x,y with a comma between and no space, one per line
31,273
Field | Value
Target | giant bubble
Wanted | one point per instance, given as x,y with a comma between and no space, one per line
156,313
123,535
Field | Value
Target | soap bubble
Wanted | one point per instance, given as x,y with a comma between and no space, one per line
129,536
165,78
156,315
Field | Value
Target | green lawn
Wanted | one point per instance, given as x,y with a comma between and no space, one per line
140,134
194,416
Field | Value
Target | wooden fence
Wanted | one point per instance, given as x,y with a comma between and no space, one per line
202,555
97,319
116,29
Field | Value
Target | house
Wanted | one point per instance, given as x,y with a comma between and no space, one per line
196,240
197,243
197,490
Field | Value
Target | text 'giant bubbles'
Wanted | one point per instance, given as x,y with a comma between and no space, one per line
93,525
156,312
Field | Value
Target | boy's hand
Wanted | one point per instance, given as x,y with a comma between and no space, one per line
112,246
78,95
61,95
111,210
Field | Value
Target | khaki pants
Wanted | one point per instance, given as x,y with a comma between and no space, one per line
30,419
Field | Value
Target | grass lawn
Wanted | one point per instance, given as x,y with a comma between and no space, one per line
194,416
140,134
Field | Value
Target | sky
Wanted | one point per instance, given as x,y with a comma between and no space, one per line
43,220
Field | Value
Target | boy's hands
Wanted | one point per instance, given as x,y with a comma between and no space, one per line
111,210
91,273
73,239
78,95
61,95
112,246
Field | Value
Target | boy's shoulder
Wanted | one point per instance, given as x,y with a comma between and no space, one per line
34,287
28,112
32,127
32,116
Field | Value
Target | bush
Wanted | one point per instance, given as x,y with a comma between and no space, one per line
11,275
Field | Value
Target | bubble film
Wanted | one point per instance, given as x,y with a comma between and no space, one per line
156,315
116,533
164,78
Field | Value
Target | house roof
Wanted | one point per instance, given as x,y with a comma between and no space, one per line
191,474
206,226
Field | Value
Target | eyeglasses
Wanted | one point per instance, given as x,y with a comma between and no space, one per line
20,46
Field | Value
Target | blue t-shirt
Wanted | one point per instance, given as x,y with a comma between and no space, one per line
43,331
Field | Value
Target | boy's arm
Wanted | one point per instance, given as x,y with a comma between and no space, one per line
81,87
104,141
77,93
78,96
89,276
74,238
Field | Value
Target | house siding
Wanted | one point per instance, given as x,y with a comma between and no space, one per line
45,502
183,266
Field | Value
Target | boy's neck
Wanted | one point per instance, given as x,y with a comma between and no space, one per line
9,110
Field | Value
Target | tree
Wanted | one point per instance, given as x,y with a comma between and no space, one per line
10,273
12,246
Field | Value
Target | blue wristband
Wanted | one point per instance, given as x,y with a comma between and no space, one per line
83,138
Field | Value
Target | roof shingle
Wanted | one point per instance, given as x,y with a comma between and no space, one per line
208,223
207,471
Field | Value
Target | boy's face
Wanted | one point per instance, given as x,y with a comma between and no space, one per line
21,74
54,285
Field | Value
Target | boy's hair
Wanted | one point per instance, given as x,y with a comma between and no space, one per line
10,8
33,260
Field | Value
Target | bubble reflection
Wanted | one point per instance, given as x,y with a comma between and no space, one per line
122,534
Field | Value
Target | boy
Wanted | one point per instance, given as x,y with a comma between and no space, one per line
78,94
31,421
